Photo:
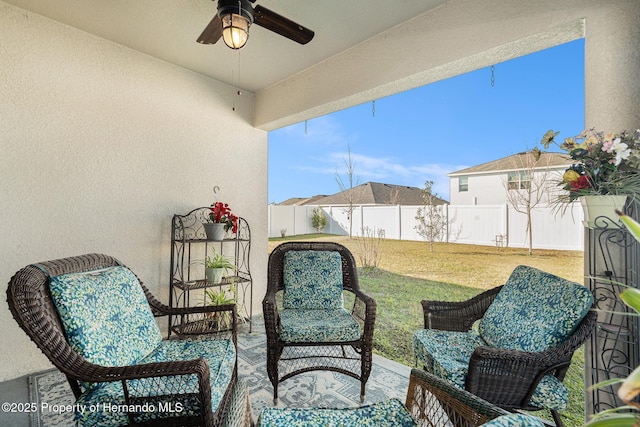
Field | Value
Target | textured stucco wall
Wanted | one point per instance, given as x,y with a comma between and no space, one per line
100,145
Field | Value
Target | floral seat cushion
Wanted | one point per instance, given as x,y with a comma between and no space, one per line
162,394
108,321
298,325
534,311
312,280
106,316
389,413
446,354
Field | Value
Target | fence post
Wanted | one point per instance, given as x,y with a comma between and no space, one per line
446,215
399,222
506,223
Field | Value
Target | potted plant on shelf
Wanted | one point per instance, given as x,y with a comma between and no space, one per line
221,220
606,171
220,321
216,266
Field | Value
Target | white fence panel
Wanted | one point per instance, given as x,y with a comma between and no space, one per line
281,218
377,218
408,223
337,220
550,231
474,224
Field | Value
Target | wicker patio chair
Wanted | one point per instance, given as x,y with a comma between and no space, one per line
528,332
306,324
194,378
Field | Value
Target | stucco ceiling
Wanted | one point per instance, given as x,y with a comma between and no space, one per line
168,29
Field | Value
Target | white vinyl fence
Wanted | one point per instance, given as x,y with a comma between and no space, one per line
477,224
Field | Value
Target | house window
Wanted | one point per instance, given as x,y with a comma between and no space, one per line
519,180
463,183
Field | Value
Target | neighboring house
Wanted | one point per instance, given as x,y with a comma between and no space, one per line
299,201
369,193
487,183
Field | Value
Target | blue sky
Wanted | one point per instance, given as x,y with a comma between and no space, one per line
428,132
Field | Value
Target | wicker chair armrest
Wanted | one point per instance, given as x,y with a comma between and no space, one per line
364,311
457,316
271,315
364,305
88,372
433,401
508,378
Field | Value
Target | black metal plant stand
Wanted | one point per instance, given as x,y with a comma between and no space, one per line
612,261
189,247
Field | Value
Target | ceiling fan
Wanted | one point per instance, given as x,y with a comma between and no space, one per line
234,18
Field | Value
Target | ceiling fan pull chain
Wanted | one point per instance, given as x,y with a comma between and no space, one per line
373,108
305,126
235,77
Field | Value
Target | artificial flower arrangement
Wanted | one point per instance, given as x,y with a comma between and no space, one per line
604,163
221,214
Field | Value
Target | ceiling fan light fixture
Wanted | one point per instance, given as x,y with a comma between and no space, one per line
235,30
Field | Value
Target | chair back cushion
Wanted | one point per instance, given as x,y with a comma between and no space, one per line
105,315
534,311
312,280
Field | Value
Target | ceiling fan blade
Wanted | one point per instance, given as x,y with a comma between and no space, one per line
212,32
281,25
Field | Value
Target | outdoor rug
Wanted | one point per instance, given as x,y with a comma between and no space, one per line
314,389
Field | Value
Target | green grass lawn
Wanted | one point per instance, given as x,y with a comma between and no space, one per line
408,273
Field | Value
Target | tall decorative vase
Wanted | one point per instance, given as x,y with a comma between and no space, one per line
214,230
600,211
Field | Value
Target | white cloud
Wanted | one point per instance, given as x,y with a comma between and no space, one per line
323,130
386,169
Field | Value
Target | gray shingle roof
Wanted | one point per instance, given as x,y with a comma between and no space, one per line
373,193
518,161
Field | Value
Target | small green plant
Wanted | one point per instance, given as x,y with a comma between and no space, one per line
217,260
221,297
318,220
220,320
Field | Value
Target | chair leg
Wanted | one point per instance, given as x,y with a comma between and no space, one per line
556,418
362,391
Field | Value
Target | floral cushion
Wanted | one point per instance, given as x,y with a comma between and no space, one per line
446,354
177,393
312,280
389,413
105,315
514,420
297,325
534,311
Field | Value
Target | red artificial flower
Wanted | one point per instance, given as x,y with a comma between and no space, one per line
581,183
221,213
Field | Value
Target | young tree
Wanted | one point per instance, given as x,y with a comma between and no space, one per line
527,185
432,221
352,181
318,220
